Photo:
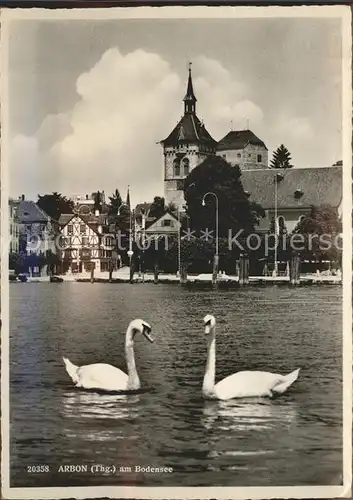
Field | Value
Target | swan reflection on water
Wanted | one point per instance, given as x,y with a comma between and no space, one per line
90,405
248,414
240,431
83,410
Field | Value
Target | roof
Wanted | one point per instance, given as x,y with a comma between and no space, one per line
189,129
29,212
190,95
314,186
91,219
238,139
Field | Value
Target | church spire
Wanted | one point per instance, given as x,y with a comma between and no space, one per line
190,99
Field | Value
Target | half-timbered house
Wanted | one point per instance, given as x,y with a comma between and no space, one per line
84,242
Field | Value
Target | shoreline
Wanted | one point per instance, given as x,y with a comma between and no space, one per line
198,280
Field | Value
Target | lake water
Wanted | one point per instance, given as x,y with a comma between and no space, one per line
295,439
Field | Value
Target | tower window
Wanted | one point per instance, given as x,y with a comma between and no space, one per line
259,158
186,166
176,165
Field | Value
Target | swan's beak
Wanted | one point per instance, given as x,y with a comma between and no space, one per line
146,333
207,326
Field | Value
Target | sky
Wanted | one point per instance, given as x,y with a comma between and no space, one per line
90,100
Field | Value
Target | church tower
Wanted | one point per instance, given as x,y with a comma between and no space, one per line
186,147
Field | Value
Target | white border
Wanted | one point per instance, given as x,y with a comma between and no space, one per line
342,12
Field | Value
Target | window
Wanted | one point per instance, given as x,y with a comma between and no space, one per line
68,241
85,241
259,158
186,165
239,155
167,223
70,229
176,165
82,229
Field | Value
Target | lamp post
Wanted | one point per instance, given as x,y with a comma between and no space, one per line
277,179
130,253
216,257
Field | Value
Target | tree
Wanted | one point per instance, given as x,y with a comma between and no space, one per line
115,202
98,200
235,209
55,204
171,207
321,230
281,158
157,208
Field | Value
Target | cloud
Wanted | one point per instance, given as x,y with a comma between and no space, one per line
126,104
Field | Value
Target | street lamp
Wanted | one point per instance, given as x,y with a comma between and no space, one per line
278,177
130,253
216,257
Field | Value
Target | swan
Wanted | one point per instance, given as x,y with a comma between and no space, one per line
107,377
241,384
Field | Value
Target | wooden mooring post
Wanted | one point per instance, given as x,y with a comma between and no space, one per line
294,270
156,271
215,270
92,274
183,274
244,266
132,270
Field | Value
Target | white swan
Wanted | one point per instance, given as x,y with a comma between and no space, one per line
242,384
107,377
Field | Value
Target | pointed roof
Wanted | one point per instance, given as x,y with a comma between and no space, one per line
190,96
238,139
189,130
128,197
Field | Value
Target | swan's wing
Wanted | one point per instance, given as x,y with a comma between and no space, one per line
287,381
102,376
248,384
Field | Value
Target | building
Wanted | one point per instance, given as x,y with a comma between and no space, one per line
244,149
85,242
298,190
14,226
186,146
189,144
37,230
166,225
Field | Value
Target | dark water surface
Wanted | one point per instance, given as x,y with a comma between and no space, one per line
292,440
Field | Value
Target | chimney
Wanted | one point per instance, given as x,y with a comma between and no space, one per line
22,197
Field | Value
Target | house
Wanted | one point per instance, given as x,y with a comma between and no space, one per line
166,225
14,226
244,149
297,190
37,234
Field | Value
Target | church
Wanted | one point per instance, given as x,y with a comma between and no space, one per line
294,191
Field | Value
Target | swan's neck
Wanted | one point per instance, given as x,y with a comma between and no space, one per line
210,373
133,380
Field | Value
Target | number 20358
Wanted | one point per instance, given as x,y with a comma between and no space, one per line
35,469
